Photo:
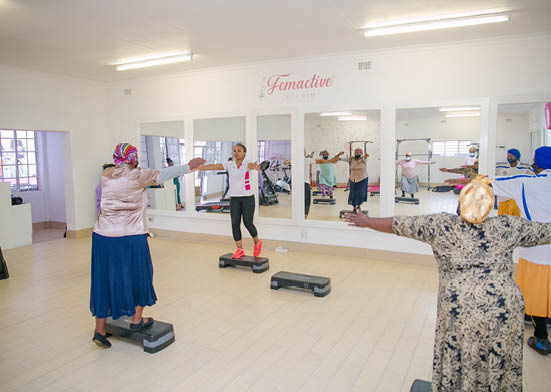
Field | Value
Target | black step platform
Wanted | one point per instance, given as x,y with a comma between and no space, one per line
319,285
325,201
316,193
214,206
408,200
342,212
257,264
153,338
420,386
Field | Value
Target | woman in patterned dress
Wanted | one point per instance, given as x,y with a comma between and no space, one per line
480,314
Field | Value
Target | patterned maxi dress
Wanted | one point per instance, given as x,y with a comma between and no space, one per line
480,315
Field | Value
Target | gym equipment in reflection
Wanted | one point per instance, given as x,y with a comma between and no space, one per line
267,194
222,205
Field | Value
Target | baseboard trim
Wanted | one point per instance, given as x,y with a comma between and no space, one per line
397,257
49,225
80,233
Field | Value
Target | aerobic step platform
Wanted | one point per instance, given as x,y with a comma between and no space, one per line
408,200
420,386
257,264
325,201
153,338
319,285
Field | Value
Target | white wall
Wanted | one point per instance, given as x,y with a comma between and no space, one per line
231,129
54,185
513,131
44,102
274,127
327,133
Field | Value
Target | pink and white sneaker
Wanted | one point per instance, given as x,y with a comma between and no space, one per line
257,248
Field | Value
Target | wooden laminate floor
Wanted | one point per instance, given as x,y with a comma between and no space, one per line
373,332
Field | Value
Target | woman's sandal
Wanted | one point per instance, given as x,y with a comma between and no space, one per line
141,325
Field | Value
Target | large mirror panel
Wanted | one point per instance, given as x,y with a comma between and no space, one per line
521,129
436,153
161,145
342,163
274,157
214,139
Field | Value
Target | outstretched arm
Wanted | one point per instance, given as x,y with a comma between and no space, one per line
417,161
177,171
360,220
212,166
332,160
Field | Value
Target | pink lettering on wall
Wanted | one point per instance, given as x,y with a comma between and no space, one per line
292,87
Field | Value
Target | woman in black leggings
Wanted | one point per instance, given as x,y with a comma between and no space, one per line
241,196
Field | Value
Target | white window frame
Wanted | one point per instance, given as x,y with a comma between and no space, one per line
17,187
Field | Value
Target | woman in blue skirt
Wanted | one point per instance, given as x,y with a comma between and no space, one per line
358,179
122,273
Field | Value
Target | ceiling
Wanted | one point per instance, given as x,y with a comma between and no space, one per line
84,38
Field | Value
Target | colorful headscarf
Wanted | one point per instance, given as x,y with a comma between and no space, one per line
514,152
125,153
542,158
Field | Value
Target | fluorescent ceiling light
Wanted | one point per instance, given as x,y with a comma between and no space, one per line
440,22
352,118
326,114
463,114
150,62
460,109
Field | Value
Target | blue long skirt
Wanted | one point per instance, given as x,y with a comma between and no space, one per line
358,193
122,275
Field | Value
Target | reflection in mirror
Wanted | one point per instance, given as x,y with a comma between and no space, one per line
436,154
342,164
162,145
521,129
214,139
274,157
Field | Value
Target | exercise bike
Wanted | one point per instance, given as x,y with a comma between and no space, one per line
283,184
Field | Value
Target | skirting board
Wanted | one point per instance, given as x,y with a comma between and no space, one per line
80,233
398,257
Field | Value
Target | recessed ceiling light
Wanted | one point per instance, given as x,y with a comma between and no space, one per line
477,114
460,109
436,23
153,61
352,118
327,114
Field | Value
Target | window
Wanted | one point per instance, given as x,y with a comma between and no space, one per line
143,156
261,150
182,147
451,148
18,159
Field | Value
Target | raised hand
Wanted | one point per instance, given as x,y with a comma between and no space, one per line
196,162
359,220
253,166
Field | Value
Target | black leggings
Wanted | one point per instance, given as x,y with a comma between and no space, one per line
540,327
307,197
243,205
